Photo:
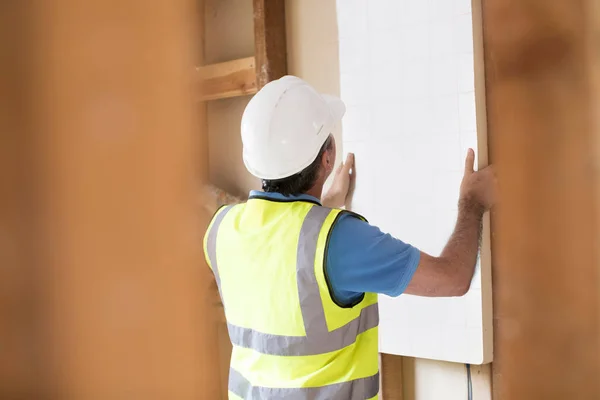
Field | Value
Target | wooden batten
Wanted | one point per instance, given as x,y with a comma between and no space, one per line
228,79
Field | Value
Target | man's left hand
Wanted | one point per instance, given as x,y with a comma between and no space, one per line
337,196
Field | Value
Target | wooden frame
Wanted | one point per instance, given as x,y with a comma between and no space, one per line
245,76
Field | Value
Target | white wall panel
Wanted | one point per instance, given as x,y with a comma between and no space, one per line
415,104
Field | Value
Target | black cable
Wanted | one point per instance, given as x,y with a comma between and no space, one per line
469,383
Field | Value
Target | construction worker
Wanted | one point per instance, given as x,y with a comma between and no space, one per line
298,276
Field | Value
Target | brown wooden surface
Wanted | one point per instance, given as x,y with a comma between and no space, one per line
269,40
541,60
227,79
102,291
391,381
20,332
483,159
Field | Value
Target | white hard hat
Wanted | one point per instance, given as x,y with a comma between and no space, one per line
285,125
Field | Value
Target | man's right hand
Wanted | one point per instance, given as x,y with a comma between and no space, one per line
451,273
478,188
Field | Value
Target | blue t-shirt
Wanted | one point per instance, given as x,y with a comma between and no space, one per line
361,258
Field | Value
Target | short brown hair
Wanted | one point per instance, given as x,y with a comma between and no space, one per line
302,181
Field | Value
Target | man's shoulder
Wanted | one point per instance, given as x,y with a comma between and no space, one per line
351,224
344,214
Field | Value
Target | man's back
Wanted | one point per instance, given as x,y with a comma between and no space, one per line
291,340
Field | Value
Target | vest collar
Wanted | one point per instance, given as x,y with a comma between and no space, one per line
257,194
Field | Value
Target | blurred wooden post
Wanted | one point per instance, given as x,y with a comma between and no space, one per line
19,314
542,59
114,228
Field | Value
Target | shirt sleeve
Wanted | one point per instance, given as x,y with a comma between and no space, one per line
361,259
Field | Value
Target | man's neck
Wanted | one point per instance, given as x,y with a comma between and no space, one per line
316,191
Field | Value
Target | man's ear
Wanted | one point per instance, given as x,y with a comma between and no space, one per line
327,162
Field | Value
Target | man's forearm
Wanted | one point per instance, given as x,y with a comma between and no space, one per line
451,273
460,254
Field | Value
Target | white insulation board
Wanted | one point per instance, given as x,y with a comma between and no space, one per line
411,76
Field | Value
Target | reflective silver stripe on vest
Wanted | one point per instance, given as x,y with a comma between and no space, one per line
358,389
311,305
211,246
318,339
306,345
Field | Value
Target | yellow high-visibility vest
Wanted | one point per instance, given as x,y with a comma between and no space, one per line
290,338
